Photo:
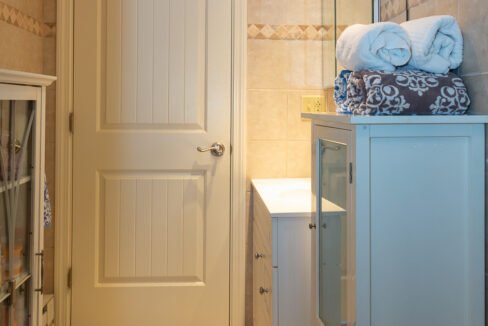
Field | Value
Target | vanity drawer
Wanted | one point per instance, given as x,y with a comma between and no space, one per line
263,293
262,264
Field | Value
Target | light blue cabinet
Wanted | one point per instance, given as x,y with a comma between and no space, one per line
405,243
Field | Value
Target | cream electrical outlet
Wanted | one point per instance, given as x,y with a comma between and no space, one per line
313,103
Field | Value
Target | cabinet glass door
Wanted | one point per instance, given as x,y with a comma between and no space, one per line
17,120
332,230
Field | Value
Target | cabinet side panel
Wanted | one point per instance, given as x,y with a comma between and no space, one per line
421,226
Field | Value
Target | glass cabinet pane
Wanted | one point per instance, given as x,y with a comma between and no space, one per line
332,232
16,213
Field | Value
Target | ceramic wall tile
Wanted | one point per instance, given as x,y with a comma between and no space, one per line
33,8
313,11
267,115
265,11
49,10
473,18
305,65
477,89
266,159
284,11
21,50
298,128
413,3
299,155
328,63
330,103
400,18
284,64
354,12
49,55
268,64
392,8
434,7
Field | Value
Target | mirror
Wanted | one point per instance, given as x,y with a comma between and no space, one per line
337,15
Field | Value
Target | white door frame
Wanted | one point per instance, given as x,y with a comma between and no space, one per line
64,173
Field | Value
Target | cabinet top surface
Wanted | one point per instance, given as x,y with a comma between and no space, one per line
289,197
25,78
404,119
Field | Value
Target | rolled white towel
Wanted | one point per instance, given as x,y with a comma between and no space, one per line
380,46
437,43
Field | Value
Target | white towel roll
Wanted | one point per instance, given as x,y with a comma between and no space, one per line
380,46
437,43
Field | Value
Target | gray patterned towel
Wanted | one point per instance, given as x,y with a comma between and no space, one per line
406,92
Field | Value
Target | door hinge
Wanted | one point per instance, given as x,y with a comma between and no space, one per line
71,122
70,278
350,172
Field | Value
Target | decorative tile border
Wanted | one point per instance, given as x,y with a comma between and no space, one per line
292,32
15,17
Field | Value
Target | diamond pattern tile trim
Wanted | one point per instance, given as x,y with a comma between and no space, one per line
15,17
291,32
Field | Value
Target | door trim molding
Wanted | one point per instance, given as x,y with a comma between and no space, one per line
238,169
64,172
63,161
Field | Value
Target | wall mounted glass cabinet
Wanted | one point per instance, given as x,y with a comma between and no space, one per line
22,99
399,236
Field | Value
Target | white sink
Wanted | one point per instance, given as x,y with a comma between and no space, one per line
289,197
285,197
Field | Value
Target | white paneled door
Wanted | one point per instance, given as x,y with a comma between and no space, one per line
151,214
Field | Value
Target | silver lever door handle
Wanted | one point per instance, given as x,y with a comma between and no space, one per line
217,149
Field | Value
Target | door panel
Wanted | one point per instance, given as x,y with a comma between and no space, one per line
155,57
152,228
151,213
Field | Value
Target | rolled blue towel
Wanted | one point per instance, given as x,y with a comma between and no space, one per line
379,46
340,91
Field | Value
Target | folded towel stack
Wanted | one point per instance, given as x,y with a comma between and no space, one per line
402,69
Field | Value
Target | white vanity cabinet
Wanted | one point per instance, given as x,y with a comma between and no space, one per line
22,121
409,247
281,252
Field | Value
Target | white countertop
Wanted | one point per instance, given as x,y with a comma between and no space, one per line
397,119
289,197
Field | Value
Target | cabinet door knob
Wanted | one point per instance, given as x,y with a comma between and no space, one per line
264,290
258,255
312,226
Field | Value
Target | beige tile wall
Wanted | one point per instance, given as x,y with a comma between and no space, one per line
27,31
280,71
472,16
